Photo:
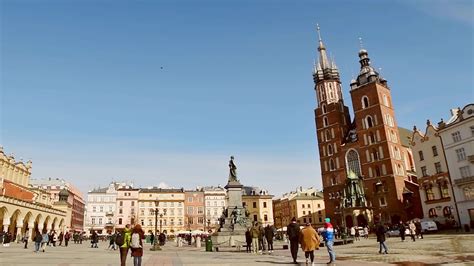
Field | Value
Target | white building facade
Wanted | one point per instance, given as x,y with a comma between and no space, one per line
436,191
214,203
127,206
457,135
101,207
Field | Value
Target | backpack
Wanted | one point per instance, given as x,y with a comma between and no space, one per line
119,240
135,243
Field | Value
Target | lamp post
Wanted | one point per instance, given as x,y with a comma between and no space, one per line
208,225
156,245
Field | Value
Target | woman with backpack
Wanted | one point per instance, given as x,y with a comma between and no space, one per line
136,244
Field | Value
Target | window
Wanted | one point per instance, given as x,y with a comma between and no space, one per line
93,221
382,201
331,165
456,136
265,218
438,168
309,205
435,150
420,153
320,219
319,212
472,130
120,220
325,121
443,187
432,213
423,171
324,109
304,212
101,208
93,209
370,122
100,220
328,135
468,193
200,210
254,204
330,149
133,203
200,220
142,222
319,205
142,212
120,203
309,212
255,218
264,204
150,222
447,212
120,211
304,220
190,210
461,154
190,199
365,102
371,138
429,192
352,159
385,100
465,171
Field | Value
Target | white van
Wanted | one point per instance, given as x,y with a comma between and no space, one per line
428,225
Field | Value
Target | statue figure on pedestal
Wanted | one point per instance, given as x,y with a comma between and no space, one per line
232,170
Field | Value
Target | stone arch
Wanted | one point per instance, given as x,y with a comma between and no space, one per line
54,224
61,225
39,223
361,220
47,223
14,219
4,216
28,224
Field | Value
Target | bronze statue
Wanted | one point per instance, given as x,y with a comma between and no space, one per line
232,170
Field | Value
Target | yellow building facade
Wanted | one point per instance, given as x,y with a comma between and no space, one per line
259,204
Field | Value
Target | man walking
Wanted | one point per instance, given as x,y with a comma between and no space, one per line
38,240
293,232
269,234
380,232
248,240
401,228
255,233
328,235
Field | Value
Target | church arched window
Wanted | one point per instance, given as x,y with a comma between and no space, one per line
369,121
365,102
325,121
371,137
331,164
328,135
330,149
324,108
353,163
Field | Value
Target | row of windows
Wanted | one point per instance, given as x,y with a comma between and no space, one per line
164,222
366,104
191,199
161,203
434,149
446,212
164,211
254,204
443,190
101,199
438,169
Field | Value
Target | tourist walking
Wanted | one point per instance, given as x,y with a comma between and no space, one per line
67,236
412,228
94,240
380,232
419,230
136,244
357,234
54,238
366,232
7,237
401,228
328,236
38,239
309,242
269,234
45,241
261,239
61,237
248,240
353,232
293,232
255,233
126,236
152,238
25,239
112,241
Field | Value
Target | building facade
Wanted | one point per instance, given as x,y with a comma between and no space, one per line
306,205
436,190
366,149
259,204
195,217
169,203
126,206
457,135
215,202
25,210
101,207
75,199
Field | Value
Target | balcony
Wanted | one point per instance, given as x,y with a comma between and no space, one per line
109,214
464,180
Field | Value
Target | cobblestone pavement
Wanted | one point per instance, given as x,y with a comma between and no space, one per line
433,249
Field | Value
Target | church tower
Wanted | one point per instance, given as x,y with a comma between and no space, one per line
379,144
332,123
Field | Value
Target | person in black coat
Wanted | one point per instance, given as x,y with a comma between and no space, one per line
380,232
293,232
248,240
401,228
269,234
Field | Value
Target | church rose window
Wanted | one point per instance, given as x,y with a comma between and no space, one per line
352,159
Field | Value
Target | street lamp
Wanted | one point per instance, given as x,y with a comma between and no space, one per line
156,245
208,225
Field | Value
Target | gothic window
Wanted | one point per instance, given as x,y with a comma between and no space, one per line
328,135
352,158
385,100
365,102
371,138
325,121
375,154
369,121
330,149
324,108
331,164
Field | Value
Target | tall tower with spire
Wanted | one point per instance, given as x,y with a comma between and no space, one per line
332,122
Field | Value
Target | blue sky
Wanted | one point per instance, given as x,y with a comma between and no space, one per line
166,91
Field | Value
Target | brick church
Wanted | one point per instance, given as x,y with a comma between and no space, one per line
367,171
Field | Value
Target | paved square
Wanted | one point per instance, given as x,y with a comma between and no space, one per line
433,249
